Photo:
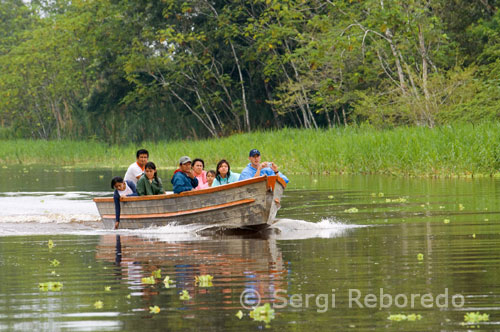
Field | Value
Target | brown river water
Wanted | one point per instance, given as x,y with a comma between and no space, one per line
347,253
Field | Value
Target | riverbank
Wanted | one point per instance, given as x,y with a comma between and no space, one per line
457,150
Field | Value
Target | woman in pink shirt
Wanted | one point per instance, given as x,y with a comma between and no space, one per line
199,173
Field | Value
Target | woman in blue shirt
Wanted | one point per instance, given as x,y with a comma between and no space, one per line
223,174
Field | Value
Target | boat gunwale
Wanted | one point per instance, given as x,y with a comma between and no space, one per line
271,181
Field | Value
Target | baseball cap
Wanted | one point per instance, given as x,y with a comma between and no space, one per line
253,152
184,159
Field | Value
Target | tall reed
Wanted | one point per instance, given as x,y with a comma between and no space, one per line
460,149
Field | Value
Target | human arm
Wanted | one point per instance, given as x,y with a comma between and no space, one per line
182,182
116,199
141,187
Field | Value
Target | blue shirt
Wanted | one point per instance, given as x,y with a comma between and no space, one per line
249,172
182,182
233,177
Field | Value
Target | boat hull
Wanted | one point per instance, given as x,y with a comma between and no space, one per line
248,203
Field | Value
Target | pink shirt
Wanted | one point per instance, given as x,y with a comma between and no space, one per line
202,180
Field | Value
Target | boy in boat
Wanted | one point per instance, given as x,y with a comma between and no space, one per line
135,170
123,188
256,168
184,178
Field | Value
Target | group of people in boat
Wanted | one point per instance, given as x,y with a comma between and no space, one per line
142,179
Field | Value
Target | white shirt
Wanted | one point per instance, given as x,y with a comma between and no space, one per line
133,172
125,192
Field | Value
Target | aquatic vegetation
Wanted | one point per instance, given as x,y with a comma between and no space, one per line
351,210
167,282
154,310
420,256
54,286
50,244
107,289
403,317
461,207
475,318
446,221
474,235
204,280
330,196
185,295
396,200
239,314
98,304
156,274
129,296
55,262
148,280
263,313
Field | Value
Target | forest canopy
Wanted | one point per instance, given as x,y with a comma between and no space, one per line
121,71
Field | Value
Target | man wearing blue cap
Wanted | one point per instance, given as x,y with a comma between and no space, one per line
256,168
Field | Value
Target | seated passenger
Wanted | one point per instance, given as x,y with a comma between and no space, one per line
224,175
184,179
210,177
200,174
149,183
135,170
122,189
256,168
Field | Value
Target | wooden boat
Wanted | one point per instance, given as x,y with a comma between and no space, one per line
249,203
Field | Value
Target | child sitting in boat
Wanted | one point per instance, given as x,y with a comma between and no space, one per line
210,177
149,183
122,189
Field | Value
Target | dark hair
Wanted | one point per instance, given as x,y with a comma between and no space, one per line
217,174
200,160
142,151
151,165
211,172
115,180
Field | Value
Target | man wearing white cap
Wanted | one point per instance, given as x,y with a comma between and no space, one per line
184,179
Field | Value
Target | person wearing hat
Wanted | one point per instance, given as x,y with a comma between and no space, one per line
184,179
256,168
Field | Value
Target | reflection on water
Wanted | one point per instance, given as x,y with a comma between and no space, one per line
337,237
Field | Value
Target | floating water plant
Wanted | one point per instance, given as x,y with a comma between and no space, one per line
50,244
239,314
263,313
204,280
461,206
129,296
475,317
167,282
330,196
402,317
55,262
185,295
154,310
396,200
446,221
98,304
351,210
107,288
420,256
54,286
156,273
474,235
148,280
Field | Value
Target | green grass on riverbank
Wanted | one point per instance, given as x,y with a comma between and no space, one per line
446,151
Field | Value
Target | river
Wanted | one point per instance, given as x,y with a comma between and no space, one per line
360,253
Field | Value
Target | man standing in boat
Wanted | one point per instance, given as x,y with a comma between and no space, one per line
135,171
184,178
256,168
